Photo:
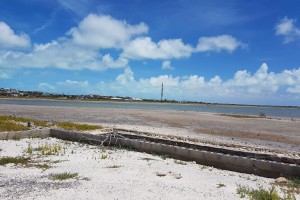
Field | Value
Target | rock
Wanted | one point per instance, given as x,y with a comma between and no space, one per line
177,176
281,180
160,174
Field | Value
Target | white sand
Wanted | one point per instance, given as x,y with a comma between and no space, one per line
133,178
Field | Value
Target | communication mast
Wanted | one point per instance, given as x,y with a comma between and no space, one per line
162,91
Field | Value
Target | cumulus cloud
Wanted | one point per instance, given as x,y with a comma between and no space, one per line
244,85
62,55
145,48
218,43
67,86
10,40
126,77
167,65
287,28
102,31
82,46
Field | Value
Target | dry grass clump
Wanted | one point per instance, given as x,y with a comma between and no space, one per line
11,126
12,123
46,149
77,127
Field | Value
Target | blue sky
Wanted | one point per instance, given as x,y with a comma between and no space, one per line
213,51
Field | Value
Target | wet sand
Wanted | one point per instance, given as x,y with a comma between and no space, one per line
277,135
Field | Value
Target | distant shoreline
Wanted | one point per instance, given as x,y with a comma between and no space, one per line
153,102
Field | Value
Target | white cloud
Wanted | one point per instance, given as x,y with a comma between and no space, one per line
258,83
46,87
74,83
218,43
10,40
286,27
295,90
126,77
81,48
102,31
5,74
167,65
145,48
78,7
242,87
62,55
193,82
67,86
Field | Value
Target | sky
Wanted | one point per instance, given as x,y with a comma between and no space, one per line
233,51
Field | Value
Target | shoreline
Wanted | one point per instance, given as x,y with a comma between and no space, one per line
156,102
292,114
281,136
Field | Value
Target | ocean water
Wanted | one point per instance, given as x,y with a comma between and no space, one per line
243,110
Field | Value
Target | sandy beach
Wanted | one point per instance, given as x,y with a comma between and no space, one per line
260,134
112,173
104,173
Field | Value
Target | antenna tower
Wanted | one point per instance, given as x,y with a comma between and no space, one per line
162,91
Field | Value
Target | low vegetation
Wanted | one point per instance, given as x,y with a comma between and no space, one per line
263,194
42,166
63,176
47,149
147,159
14,160
114,166
11,126
292,185
260,115
165,156
179,162
240,116
220,185
78,127
12,123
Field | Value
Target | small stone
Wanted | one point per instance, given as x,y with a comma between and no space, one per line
177,176
160,174
281,180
